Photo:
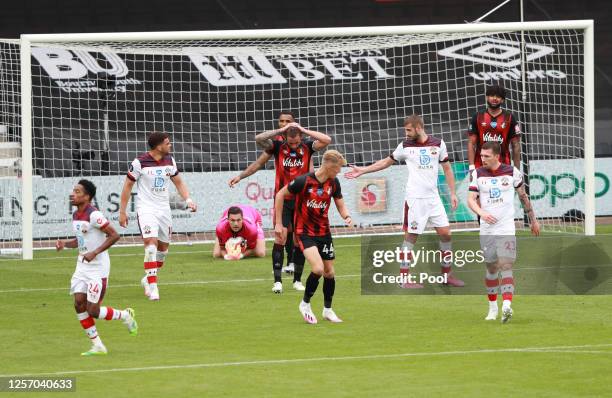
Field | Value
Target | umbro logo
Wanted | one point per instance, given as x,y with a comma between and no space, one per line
495,52
505,55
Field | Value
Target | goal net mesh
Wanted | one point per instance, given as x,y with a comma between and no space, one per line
93,104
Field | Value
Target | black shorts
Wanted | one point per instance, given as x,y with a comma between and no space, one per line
288,210
324,244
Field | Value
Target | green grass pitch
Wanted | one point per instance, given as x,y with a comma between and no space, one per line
219,331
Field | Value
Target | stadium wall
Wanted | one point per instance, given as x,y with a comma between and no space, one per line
376,199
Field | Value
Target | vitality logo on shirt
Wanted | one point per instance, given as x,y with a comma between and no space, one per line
293,163
492,137
315,204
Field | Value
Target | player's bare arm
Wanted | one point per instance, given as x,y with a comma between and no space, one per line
251,169
182,190
380,165
264,140
344,213
321,140
475,207
279,201
126,192
516,152
112,236
218,250
471,148
70,244
528,208
450,181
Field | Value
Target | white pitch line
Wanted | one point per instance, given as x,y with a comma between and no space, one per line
458,270
574,351
181,244
172,253
50,289
555,349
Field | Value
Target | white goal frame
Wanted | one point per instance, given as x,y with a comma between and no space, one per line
586,26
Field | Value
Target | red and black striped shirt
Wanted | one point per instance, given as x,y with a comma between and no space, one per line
312,201
502,128
290,163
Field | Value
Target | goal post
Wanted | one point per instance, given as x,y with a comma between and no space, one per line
589,129
27,203
356,84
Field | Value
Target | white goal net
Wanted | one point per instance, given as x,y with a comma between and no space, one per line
93,102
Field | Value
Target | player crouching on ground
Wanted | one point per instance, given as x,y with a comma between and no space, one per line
94,235
239,234
313,194
496,183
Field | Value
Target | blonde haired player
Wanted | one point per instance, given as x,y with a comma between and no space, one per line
94,235
313,194
496,183
152,173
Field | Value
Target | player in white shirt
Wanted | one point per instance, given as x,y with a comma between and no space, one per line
496,183
422,155
152,173
94,235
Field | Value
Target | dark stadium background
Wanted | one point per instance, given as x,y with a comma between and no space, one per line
68,16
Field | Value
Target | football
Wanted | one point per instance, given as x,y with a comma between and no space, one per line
234,247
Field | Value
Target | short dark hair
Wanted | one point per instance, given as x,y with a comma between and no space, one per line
89,187
290,113
234,210
292,132
497,90
156,138
492,145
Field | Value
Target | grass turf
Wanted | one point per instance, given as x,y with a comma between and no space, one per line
219,331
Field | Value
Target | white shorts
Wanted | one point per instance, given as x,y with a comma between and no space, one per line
495,247
155,224
417,212
90,283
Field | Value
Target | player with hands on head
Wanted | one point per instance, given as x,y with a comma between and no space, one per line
292,158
